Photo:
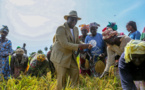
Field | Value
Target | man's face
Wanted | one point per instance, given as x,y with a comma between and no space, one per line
93,30
84,32
19,56
137,59
4,34
72,21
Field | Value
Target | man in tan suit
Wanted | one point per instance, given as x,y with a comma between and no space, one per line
63,52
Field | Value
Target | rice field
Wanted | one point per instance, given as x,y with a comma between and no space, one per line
45,83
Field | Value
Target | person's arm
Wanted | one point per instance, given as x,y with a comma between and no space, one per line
10,51
12,65
10,47
88,53
125,75
62,38
110,59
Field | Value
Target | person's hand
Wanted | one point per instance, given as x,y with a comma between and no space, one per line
104,74
91,58
102,55
90,46
84,46
116,63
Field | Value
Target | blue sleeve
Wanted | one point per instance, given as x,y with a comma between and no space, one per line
137,36
125,75
8,50
86,41
10,47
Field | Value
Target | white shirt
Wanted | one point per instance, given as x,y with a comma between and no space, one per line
72,33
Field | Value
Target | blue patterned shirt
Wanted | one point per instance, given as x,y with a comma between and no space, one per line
5,51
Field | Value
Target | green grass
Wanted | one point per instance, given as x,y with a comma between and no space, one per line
45,83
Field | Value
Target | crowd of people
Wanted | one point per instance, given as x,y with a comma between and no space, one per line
15,62
97,53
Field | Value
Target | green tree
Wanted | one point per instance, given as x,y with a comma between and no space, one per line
40,51
46,49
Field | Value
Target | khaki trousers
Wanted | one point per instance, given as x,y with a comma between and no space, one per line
61,73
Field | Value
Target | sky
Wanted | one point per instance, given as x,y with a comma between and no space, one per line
34,22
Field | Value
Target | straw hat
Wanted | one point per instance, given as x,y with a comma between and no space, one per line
72,14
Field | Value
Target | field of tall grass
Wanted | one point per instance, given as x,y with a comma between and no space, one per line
45,83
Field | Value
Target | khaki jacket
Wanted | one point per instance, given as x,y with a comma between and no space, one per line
64,47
